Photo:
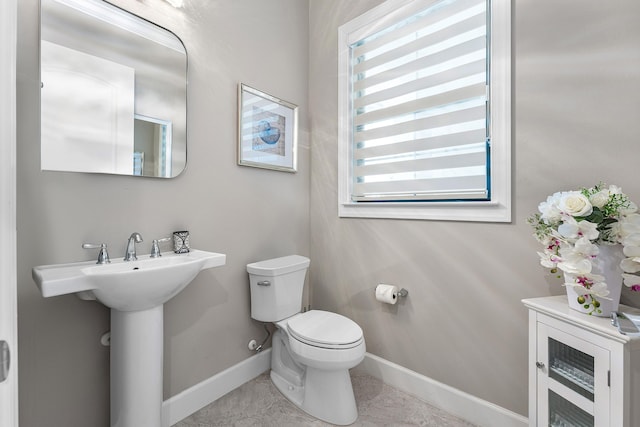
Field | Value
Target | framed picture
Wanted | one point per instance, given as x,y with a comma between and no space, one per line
267,131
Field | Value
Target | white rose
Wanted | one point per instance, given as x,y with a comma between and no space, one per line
575,203
614,189
549,208
600,198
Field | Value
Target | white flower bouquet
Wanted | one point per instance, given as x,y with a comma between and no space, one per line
572,226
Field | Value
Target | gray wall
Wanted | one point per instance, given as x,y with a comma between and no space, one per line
247,213
576,73
575,108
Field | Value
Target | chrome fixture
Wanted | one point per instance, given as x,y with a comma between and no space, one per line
103,255
253,345
5,360
155,247
130,253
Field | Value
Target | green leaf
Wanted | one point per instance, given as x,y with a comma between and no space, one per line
608,221
596,216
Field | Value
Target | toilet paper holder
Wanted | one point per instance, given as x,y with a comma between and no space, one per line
401,292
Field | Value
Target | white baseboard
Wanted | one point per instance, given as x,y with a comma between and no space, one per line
456,402
193,399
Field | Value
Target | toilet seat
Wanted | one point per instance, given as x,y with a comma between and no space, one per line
325,330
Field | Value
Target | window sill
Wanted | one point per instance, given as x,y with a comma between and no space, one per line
442,211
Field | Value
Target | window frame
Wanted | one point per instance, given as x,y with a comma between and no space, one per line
498,209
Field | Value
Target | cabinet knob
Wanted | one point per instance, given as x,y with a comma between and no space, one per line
539,365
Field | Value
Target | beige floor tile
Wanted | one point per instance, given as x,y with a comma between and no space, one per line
259,403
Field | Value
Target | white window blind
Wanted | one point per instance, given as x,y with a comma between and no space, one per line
420,107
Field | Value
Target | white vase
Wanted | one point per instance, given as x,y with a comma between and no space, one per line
606,264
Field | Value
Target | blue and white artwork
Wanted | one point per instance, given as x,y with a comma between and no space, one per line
270,135
268,132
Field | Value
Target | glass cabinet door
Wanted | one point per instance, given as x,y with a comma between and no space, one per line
563,413
571,367
572,380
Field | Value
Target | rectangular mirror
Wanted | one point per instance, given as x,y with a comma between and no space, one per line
114,92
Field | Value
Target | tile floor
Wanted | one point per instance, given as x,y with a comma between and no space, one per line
259,403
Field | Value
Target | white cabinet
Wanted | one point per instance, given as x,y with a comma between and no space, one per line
582,371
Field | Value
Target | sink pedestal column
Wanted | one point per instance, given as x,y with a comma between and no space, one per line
136,367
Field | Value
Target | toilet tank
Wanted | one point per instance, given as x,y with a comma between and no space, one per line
276,287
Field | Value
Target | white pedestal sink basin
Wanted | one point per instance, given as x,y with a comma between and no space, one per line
135,291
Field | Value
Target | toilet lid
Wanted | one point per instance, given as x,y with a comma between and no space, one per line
324,329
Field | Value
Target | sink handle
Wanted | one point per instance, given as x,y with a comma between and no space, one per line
155,247
103,255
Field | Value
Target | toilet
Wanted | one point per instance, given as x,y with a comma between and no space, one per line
313,351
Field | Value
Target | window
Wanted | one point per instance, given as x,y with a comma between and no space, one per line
424,111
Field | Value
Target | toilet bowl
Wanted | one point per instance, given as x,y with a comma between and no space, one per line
313,351
310,364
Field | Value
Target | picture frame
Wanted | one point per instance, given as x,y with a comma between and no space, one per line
267,131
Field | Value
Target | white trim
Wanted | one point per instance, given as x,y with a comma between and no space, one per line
499,209
8,259
456,402
191,400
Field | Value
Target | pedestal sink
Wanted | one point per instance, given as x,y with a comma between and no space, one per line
135,291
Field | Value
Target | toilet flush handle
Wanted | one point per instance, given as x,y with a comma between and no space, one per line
264,283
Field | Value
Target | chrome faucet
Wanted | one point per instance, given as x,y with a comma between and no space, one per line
103,255
155,247
130,253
